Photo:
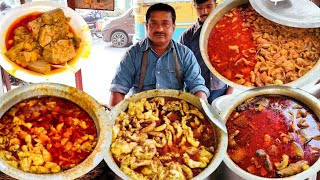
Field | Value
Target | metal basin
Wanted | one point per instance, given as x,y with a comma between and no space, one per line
227,104
86,102
310,78
220,149
78,25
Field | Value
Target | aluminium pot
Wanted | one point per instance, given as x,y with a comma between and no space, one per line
304,82
86,102
228,103
220,149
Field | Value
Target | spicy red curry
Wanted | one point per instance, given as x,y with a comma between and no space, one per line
46,135
250,50
273,136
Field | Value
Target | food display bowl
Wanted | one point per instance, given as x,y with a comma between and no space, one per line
83,100
310,78
79,26
228,103
221,146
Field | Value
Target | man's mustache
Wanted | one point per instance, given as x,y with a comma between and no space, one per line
204,16
159,33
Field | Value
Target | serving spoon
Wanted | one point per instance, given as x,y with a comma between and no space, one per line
213,115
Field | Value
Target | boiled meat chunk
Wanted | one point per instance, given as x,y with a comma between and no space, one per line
50,33
53,17
24,53
44,41
40,66
59,52
35,26
21,34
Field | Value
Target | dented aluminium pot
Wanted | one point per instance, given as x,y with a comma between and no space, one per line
304,82
221,140
228,103
86,102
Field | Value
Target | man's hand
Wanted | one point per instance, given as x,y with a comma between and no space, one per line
201,95
115,98
229,90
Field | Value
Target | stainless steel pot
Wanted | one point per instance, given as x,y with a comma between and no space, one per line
304,82
86,102
78,25
227,104
222,143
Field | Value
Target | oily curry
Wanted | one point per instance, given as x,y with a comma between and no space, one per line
273,136
46,135
162,138
41,42
250,50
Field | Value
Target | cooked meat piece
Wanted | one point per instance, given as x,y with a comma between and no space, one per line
231,140
263,154
46,41
284,162
59,52
50,33
294,168
54,16
40,67
21,34
21,31
23,58
297,150
35,26
24,52
246,104
13,52
241,121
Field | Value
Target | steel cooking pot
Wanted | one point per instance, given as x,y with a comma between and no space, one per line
310,78
221,140
79,27
86,102
228,103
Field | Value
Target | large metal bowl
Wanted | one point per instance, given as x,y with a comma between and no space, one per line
78,25
310,78
86,102
220,149
227,104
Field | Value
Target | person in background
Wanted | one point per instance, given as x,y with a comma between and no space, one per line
158,62
4,7
190,38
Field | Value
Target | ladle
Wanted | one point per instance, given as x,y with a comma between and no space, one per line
213,115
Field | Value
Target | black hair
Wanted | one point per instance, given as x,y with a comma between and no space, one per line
200,1
161,7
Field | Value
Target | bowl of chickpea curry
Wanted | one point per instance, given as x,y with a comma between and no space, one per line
163,134
41,40
50,131
273,132
245,50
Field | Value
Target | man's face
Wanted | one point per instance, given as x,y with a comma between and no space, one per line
160,27
204,9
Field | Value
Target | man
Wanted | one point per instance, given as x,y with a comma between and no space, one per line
158,62
190,38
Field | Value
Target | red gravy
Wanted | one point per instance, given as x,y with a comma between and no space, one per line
275,125
229,31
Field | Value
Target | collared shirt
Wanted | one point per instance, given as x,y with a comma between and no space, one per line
160,73
190,38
